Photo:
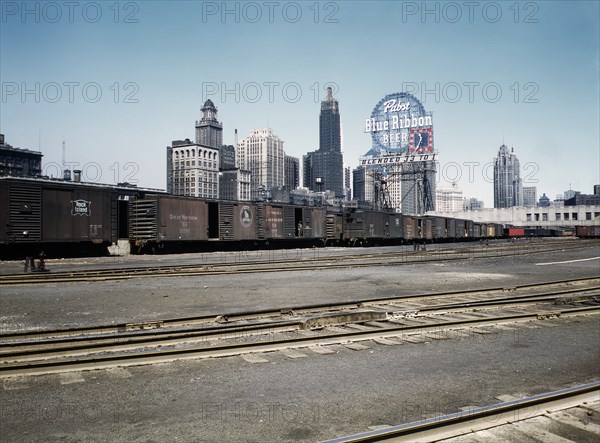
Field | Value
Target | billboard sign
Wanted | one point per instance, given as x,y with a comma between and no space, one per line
399,125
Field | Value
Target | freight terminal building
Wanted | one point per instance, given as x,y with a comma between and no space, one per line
539,217
581,210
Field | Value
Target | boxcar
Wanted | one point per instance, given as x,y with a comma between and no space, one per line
588,231
155,220
469,228
460,230
60,218
410,229
514,232
478,230
237,221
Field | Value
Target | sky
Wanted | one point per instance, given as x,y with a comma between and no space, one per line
118,81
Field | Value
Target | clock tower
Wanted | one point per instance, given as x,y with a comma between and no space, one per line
209,131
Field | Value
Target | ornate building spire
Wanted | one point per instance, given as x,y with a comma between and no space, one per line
209,131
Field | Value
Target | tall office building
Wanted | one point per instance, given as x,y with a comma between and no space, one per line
508,187
449,199
292,172
347,183
529,196
262,154
363,185
193,168
209,131
324,168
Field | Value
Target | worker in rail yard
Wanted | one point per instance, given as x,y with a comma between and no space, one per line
300,229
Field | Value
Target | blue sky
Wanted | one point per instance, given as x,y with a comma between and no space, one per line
118,81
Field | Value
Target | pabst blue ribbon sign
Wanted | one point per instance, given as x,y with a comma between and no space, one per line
399,126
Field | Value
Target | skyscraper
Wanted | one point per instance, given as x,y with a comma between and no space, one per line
363,185
292,172
324,168
262,154
529,196
193,168
508,187
449,199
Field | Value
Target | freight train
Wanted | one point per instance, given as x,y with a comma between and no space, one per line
64,218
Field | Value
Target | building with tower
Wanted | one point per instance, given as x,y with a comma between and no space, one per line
508,187
324,168
193,168
262,154
209,131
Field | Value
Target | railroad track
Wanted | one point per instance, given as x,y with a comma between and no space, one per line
292,264
389,321
579,402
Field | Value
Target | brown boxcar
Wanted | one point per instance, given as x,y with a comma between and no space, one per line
450,228
409,227
360,224
460,226
395,226
74,214
21,215
334,226
588,231
273,220
237,221
469,228
314,223
435,227
478,230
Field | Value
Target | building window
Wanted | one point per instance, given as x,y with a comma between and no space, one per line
566,214
528,217
558,216
545,217
588,215
574,216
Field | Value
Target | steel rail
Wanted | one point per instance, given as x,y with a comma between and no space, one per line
138,328
461,423
11,369
208,332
